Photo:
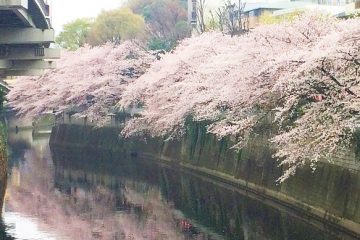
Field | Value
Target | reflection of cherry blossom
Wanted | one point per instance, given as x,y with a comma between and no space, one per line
91,213
159,223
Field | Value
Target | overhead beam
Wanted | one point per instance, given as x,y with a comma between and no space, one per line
32,64
41,10
11,4
43,7
5,64
26,64
26,36
25,17
30,53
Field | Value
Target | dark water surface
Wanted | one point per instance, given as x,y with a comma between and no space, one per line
81,194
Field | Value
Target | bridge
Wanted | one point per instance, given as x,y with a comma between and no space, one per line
25,38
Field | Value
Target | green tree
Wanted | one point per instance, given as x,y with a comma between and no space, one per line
74,34
182,30
166,21
157,43
115,26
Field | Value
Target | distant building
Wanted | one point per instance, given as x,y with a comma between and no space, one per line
337,8
255,9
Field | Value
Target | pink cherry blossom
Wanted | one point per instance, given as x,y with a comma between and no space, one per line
90,80
303,76
273,72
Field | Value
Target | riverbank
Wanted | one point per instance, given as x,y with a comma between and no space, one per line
330,195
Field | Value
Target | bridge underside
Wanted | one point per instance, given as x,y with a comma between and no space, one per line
8,18
25,38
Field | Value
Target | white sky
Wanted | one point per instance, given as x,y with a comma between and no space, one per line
64,11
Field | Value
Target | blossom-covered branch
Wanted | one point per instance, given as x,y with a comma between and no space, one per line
304,72
304,75
89,80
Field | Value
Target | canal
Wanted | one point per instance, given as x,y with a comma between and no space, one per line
80,193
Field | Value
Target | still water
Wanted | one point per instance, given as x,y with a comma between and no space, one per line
84,194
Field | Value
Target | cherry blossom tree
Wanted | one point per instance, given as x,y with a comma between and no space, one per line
89,80
303,76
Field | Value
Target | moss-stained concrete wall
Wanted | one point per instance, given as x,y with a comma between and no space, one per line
332,193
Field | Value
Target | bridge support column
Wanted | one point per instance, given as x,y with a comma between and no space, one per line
25,38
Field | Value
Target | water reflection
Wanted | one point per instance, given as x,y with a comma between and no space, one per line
78,193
